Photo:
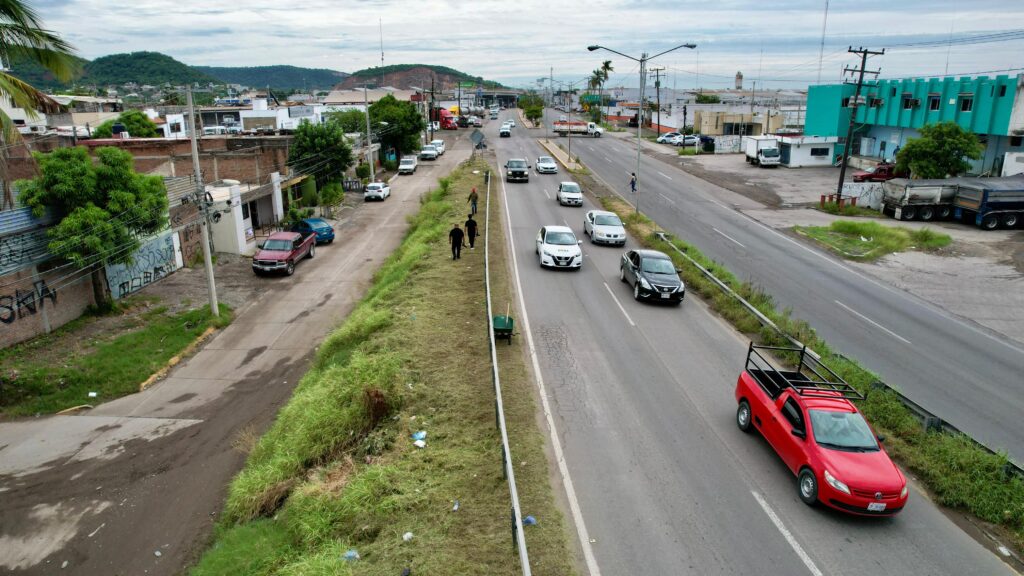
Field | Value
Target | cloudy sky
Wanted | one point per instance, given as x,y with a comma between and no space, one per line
518,41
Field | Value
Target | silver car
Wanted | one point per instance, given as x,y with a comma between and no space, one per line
546,165
604,228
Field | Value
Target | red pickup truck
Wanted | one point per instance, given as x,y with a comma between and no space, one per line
809,418
282,250
882,172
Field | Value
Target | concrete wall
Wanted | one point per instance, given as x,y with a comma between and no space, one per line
35,301
156,258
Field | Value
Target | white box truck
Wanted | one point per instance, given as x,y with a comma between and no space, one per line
761,150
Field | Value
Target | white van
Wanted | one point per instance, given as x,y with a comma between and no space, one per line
214,130
439,144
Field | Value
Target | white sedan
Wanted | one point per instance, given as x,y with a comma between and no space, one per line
558,247
376,191
546,165
604,228
569,194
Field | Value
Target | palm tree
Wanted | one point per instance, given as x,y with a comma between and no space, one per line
606,69
22,37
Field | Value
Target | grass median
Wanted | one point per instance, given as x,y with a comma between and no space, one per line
958,473
868,241
338,472
59,370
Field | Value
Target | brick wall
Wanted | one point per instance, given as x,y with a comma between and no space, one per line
34,301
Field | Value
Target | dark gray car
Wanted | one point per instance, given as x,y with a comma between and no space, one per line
652,275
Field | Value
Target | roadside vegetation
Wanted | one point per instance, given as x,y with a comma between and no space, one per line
37,380
688,151
338,474
867,241
957,472
848,210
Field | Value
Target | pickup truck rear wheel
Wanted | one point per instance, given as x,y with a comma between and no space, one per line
290,269
312,250
742,413
807,487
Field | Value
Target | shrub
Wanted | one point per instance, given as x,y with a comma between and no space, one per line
363,171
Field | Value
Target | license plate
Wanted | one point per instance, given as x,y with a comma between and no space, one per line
665,295
876,507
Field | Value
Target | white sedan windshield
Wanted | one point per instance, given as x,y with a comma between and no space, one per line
561,238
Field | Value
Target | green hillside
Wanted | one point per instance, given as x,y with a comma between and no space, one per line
455,74
143,68
28,71
275,76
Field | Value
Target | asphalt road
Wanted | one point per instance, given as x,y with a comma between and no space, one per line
641,399
965,374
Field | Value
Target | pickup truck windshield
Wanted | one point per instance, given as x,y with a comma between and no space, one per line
842,431
570,188
657,266
408,161
285,245
517,163
561,238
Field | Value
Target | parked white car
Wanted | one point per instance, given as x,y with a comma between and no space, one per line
604,228
376,191
667,137
407,165
686,140
428,153
569,194
546,165
438,145
511,122
558,247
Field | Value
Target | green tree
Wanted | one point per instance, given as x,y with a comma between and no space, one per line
352,121
104,207
321,150
606,70
403,127
708,99
941,151
530,99
23,37
138,124
533,113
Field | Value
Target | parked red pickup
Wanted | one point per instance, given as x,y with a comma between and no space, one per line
879,173
808,418
282,250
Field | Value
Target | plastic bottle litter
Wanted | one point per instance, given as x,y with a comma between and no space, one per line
419,444
407,536
157,553
421,435
529,521
92,394
456,507
351,555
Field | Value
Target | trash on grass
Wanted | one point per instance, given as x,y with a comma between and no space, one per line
421,435
456,507
407,536
92,394
419,444
157,553
351,555
529,521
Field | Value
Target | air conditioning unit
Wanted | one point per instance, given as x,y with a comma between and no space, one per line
875,102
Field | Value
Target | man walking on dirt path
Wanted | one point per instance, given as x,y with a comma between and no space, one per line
473,197
471,231
455,239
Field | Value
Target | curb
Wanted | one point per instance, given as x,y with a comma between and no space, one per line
175,360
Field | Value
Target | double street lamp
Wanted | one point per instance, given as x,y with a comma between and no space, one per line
642,60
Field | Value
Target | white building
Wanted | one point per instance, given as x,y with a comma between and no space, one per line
799,151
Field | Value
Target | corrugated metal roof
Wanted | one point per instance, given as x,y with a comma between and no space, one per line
178,188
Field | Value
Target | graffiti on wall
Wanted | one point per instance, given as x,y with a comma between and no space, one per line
185,220
154,260
23,303
20,250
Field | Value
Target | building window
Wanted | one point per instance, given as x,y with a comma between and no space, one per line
908,102
967,104
1002,90
845,103
245,210
933,103
1016,141
819,151
893,93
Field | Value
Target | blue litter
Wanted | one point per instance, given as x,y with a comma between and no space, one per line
529,521
421,435
351,555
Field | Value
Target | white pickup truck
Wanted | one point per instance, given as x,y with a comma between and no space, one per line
407,165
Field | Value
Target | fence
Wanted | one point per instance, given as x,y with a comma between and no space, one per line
928,420
518,538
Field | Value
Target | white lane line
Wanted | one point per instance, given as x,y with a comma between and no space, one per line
667,199
546,194
730,238
608,159
591,148
872,322
566,223
619,304
787,535
665,175
556,445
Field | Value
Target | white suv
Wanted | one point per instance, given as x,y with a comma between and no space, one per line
569,194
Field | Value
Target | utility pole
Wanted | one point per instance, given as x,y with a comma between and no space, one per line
753,94
200,200
864,53
657,88
639,127
369,140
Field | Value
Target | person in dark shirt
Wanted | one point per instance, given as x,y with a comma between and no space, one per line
455,239
471,231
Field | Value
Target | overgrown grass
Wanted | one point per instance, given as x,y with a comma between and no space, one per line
32,383
688,151
959,473
868,241
848,210
330,476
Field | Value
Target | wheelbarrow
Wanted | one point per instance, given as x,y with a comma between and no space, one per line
504,326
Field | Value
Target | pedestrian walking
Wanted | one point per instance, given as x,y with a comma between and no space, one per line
455,238
471,231
632,182
473,197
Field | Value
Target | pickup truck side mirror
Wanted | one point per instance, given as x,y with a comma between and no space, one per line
881,437
799,433
260,245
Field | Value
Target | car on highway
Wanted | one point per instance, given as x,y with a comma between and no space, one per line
604,228
324,231
407,165
667,137
428,152
808,418
376,191
653,276
477,121
511,122
505,131
439,146
557,247
517,169
546,165
569,194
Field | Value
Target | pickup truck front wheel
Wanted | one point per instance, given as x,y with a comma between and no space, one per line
290,269
312,251
742,414
807,486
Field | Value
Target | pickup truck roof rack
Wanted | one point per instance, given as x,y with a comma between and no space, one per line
811,378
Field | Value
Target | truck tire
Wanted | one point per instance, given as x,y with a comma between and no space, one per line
290,269
1011,220
926,213
989,223
743,415
909,213
944,212
597,135
807,487
312,251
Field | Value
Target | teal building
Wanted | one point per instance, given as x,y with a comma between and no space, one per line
891,111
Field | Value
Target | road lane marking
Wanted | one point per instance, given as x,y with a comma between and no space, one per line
608,159
667,199
546,194
730,238
663,174
619,304
872,322
556,445
787,535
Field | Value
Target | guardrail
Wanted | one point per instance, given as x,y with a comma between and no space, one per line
518,538
928,420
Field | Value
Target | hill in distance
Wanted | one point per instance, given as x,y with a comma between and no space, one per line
406,76
275,76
